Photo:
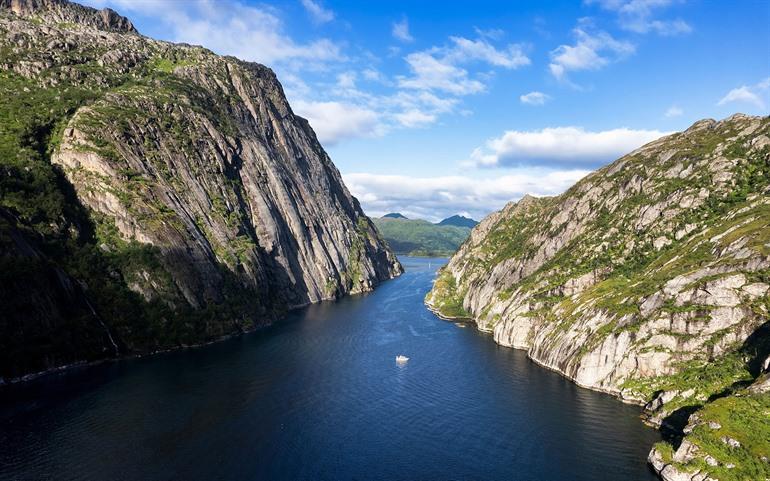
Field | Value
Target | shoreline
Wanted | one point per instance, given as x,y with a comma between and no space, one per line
615,394
659,427
21,380
18,381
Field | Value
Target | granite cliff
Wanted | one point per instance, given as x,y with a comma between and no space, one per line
648,280
156,195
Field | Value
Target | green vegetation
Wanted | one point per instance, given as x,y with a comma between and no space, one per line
733,432
449,300
421,238
459,221
634,249
69,281
744,418
166,65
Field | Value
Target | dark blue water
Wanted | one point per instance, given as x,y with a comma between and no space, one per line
320,396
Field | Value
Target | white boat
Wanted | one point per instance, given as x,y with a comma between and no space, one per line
401,359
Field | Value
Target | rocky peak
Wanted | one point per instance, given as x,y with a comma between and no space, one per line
207,206
525,203
701,125
63,11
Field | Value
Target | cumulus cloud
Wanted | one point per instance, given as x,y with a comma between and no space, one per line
366,115
337,109
435,198
673,111
232,28
748,94
400,31
430,73
639,16
318,13
591,51
465,50
439,68
336,121
534,98
560,145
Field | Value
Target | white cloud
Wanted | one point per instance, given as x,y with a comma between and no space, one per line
415,118
425,102
431,73
674,111
560,145
639,16
753,94
438,68
233,28
346,80
373,74
534,98
591,51
317,12
491,33
400,31
466,50
434,198
336,121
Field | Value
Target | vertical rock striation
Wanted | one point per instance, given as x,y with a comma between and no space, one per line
161,177
648,279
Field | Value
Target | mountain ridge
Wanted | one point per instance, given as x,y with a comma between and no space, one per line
156,195
459,221
419,237
647,279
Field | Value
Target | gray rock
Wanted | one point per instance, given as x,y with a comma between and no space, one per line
198,159
733,443
604,330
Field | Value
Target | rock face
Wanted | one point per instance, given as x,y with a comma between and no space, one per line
648,279
725,440
62,11
175,181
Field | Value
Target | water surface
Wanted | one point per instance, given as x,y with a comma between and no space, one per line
319,396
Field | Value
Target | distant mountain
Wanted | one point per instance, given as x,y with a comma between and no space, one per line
395,215
419,237
459,221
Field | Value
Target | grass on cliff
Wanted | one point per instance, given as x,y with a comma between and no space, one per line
39,204
31,122
745,418
446,297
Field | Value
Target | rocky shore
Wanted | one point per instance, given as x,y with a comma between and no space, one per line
647,280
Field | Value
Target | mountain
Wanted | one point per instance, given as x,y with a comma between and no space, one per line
648,279
155,195
459,221
394,215
419,237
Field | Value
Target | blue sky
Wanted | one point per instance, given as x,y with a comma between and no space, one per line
436,108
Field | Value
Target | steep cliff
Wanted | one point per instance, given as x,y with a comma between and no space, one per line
648,279
155,195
